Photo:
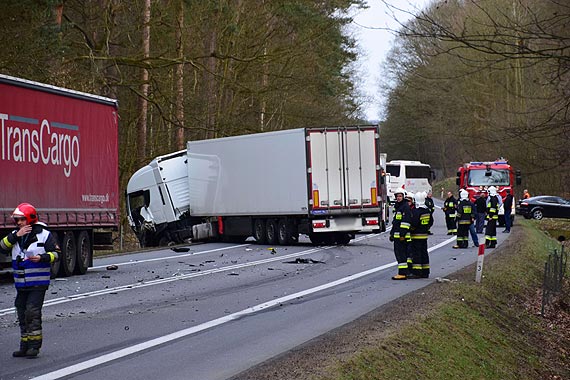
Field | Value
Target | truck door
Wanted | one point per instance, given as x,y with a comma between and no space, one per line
360,168
343,168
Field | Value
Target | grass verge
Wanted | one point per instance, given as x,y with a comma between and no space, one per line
491,330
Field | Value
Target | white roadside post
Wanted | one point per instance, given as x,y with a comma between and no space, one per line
480,257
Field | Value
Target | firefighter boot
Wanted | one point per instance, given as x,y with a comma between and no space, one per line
22,351
32,352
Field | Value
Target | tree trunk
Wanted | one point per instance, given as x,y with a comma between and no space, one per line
180,138
143,103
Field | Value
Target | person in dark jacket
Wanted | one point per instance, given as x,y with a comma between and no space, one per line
450,210
465,210
494,201
400,233
480,211
422,220
410,198
430,205
33,249
508,208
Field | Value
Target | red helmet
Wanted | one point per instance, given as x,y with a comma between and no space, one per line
26,210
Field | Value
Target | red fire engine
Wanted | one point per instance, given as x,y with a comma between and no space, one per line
478,176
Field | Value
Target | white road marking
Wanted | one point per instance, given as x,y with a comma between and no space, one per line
88,364
170,257
138,285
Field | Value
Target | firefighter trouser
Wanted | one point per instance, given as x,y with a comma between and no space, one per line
491,233
463,235
29,303
401,253
451,224
420,257
480,217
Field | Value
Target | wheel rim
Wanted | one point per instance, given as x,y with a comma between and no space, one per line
258,230
83,253
69,254
283,233
271,232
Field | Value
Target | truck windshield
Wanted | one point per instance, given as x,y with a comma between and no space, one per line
497,178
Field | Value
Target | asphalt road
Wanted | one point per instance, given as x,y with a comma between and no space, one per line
213,311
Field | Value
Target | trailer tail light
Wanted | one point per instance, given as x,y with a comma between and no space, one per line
319,224
371,221
374,196
316,198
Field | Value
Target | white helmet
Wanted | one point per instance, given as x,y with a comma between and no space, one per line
400,191
463,194
420,199
409,195
492,190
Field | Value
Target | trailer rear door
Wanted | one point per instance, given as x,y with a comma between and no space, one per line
344,168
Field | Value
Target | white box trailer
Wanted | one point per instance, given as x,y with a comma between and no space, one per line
323,182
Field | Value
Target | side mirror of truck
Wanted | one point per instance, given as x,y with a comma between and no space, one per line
457,181
518,178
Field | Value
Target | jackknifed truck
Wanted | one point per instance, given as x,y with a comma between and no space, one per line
272,186
59,152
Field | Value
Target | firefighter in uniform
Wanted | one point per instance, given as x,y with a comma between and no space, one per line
410,198
430,205
465,214
400,233
33,249
450,208
422,220
494,201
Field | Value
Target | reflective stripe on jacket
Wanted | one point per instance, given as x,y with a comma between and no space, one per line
38,242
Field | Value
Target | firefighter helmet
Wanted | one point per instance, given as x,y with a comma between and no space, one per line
420,198
400,191
463,194
26,210
492,190
409,196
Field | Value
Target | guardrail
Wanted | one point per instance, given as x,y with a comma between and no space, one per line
554,273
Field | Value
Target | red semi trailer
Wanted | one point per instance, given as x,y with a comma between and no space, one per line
59,152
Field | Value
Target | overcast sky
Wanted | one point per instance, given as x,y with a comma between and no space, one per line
371,29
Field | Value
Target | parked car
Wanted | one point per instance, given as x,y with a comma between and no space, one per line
544,206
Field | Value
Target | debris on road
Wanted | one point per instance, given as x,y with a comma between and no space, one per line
112,267
304,261
180,249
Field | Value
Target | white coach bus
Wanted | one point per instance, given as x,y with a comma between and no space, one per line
413,176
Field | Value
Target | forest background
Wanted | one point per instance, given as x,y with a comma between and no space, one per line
465,80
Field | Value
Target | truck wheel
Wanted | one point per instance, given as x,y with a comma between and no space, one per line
323,238
259,231
165,241
343,238
271,231
284,232
55,268
84,253
68,255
